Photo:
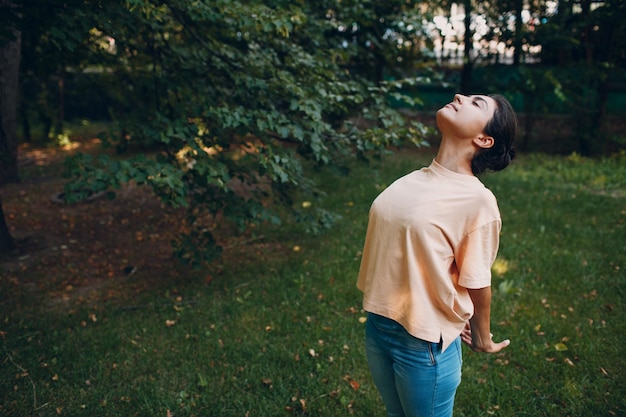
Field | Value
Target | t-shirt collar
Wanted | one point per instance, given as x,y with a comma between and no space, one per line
439,169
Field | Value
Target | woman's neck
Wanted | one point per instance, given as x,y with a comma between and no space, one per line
454,158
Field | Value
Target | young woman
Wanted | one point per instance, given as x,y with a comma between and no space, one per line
425,274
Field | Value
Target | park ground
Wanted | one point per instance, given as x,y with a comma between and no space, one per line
97,317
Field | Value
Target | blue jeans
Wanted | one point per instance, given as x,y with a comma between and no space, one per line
414,378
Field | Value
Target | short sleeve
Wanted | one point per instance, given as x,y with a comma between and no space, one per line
475,255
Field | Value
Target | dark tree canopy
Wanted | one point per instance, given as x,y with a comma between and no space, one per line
230,98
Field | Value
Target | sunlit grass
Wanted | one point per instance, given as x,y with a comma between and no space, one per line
281,333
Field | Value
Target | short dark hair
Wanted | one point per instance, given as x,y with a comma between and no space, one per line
503,129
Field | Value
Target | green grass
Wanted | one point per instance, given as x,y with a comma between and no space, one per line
278,332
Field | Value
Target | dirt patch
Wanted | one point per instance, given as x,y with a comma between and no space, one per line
87,249
103,249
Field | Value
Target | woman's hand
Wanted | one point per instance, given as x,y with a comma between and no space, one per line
466,335
477,334
477,344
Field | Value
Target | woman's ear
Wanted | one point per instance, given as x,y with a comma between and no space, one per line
483,141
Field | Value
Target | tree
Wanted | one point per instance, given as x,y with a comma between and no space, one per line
468,42
9,67
382,39
53,53
588,44
9,70
236,98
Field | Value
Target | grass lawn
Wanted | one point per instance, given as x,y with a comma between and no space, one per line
278,329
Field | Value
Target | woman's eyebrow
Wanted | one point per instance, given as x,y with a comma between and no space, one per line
479,98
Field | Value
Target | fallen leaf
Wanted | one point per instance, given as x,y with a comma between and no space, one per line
354,384
560,347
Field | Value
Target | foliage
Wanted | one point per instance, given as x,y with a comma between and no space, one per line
280,333
49,48
380,39
232,98
587,43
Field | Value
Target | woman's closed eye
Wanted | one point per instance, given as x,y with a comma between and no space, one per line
479,102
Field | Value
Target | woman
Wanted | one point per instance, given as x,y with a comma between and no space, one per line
425,274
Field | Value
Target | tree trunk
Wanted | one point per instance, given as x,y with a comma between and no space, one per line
60,119
517,46
9,71
466,74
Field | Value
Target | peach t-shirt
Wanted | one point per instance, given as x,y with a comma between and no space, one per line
431,235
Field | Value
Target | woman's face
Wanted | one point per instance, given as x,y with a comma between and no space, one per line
466,116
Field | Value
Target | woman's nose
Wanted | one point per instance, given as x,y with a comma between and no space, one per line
458,98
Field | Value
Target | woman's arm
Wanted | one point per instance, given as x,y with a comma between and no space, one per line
477,334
